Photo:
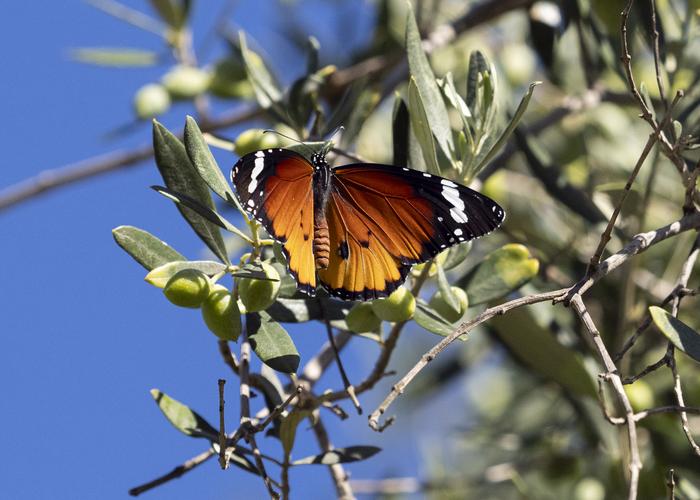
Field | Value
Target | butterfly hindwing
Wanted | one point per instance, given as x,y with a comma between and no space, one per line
382,219
276,187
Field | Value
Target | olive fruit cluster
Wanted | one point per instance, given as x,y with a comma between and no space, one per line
221,312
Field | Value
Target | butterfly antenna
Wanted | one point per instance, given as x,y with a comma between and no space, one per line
302,143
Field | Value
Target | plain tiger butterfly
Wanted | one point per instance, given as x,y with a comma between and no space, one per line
357,229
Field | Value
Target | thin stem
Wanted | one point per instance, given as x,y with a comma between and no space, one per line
173,474
612,375
222,426
462,329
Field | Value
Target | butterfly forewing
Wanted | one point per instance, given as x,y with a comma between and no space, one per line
275,186
382,219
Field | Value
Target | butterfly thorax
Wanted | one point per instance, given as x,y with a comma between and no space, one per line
322,188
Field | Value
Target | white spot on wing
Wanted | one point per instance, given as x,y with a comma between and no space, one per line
448,183
404,169
458,232
427,175
257,169
451,195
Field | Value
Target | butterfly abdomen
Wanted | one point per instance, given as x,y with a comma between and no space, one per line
322,242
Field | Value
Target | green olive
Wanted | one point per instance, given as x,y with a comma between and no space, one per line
229,80
255,139
641,395
186,82
187,288
361,318
221,314
151,100
258,295
440,305
399,306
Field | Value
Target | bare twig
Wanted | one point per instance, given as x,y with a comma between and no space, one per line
678,390
671,484
612,375
349,388
222,426
607,234
639,244
665,409
388,346
243,370
601,399
278,410
462,329
51,179
173,474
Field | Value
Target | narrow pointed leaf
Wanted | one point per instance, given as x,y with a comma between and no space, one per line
421,127
200,155
208,214
477,65
120,57
272,343
288,428
340,456
681,335
180,176
450,91
425,81
183,418
501,272
267,92
145,248
505,135
429,319
446,289
160,276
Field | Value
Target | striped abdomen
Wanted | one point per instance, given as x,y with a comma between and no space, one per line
321,243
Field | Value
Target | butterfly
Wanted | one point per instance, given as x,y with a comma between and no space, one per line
357,229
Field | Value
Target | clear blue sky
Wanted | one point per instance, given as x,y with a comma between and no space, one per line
84,338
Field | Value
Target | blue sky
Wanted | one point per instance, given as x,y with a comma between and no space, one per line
84,337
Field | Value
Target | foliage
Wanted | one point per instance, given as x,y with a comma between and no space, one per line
445,103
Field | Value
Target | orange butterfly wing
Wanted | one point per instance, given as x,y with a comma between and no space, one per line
383,219
276,187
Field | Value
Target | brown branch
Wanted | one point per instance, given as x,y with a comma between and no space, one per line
243,369
607,234
612,375
49,180
462,329
222,426
639,244
678,390
173,474
665,409
388,346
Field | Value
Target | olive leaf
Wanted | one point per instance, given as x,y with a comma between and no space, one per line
183,418
145,248
272,343
678,333
180,176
